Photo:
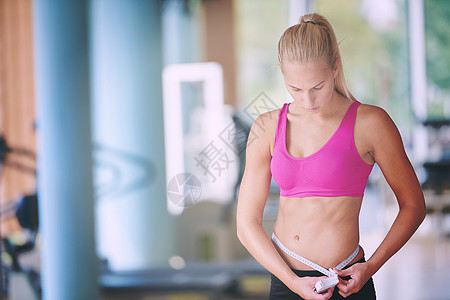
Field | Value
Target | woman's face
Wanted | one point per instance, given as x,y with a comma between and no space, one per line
310,84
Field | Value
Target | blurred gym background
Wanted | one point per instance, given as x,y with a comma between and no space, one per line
123,126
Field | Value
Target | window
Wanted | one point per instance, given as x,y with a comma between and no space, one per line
373,39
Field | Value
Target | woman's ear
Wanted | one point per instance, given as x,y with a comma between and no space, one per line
336,67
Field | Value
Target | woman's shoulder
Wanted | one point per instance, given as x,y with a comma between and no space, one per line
267,121
374,120
369,113
264,127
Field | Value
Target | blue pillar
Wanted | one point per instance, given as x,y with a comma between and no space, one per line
181,29
69,264
135,230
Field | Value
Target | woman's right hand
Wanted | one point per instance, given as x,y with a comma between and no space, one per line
305,288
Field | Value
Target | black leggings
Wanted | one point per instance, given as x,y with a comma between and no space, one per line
279,291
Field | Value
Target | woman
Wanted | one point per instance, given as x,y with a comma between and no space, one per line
320,150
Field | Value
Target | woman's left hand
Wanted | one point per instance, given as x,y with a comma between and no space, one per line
359,274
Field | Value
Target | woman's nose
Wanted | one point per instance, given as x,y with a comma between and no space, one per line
308,101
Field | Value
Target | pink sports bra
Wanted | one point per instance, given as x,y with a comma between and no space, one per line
336,169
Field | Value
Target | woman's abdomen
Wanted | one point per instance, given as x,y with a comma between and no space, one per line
323,230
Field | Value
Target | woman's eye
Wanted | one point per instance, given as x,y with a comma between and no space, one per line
296,90
318,88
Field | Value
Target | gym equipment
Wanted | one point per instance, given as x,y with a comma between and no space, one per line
26,212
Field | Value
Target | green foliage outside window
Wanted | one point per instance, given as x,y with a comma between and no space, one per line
437,32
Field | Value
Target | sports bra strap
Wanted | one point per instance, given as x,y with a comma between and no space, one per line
279,133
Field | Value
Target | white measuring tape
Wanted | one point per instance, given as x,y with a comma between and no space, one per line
313,265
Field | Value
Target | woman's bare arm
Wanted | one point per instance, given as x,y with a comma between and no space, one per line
252,199
388,152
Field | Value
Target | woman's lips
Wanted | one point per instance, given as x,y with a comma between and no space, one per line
312,109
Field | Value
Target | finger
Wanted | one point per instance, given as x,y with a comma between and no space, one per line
345,295
342,273
324,295
327,295
342,284
348,286
344,289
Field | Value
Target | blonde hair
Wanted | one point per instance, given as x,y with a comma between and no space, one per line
312,40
